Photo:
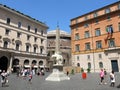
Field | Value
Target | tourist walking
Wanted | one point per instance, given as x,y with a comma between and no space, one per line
105,76
112,79
67,73
102,76
30,76
4,78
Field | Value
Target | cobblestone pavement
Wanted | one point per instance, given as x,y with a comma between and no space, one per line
75,83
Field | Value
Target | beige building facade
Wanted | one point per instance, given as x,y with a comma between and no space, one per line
95,39
23,40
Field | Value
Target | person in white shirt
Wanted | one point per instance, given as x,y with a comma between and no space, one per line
3,78
112,79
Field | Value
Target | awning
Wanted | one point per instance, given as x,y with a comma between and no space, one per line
35,66
16,65
27,66
42,66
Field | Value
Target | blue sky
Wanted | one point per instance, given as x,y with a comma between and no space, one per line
53,11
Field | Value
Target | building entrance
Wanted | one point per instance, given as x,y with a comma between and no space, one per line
15,65
3,63
114,64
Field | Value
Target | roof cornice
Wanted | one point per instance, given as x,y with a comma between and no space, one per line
22,15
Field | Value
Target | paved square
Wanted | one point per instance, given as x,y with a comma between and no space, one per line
75,83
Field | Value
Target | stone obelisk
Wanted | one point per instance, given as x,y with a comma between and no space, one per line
57,74
57,45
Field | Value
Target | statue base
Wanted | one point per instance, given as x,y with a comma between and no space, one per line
57,74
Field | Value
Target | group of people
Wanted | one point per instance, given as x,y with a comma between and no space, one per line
26,73
103,76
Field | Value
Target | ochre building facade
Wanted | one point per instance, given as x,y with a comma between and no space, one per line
95,39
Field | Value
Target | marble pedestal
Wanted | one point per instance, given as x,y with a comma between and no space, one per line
57,74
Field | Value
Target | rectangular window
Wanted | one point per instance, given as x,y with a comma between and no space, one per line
86,25
41,50
86,18
119,26
7,31
19,24
28,37
108,18
97,32
28,28
95,14
35,39
17,46
8,20
100,56
41,32
96,21
18,34
107,10
118,6
77,58
35,49
87,46
76,27
77,48
88,57
41,41
111,43
87,34
35,30
109,29
77,36
119,15
27,48
5,44
76,21
98,44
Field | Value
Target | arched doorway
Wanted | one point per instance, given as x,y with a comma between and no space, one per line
26,64
3,63
15,65
34,62
34,66
41,65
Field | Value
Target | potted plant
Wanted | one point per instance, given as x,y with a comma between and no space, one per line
82,70
72,71
88,70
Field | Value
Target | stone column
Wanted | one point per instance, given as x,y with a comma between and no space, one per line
11,61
